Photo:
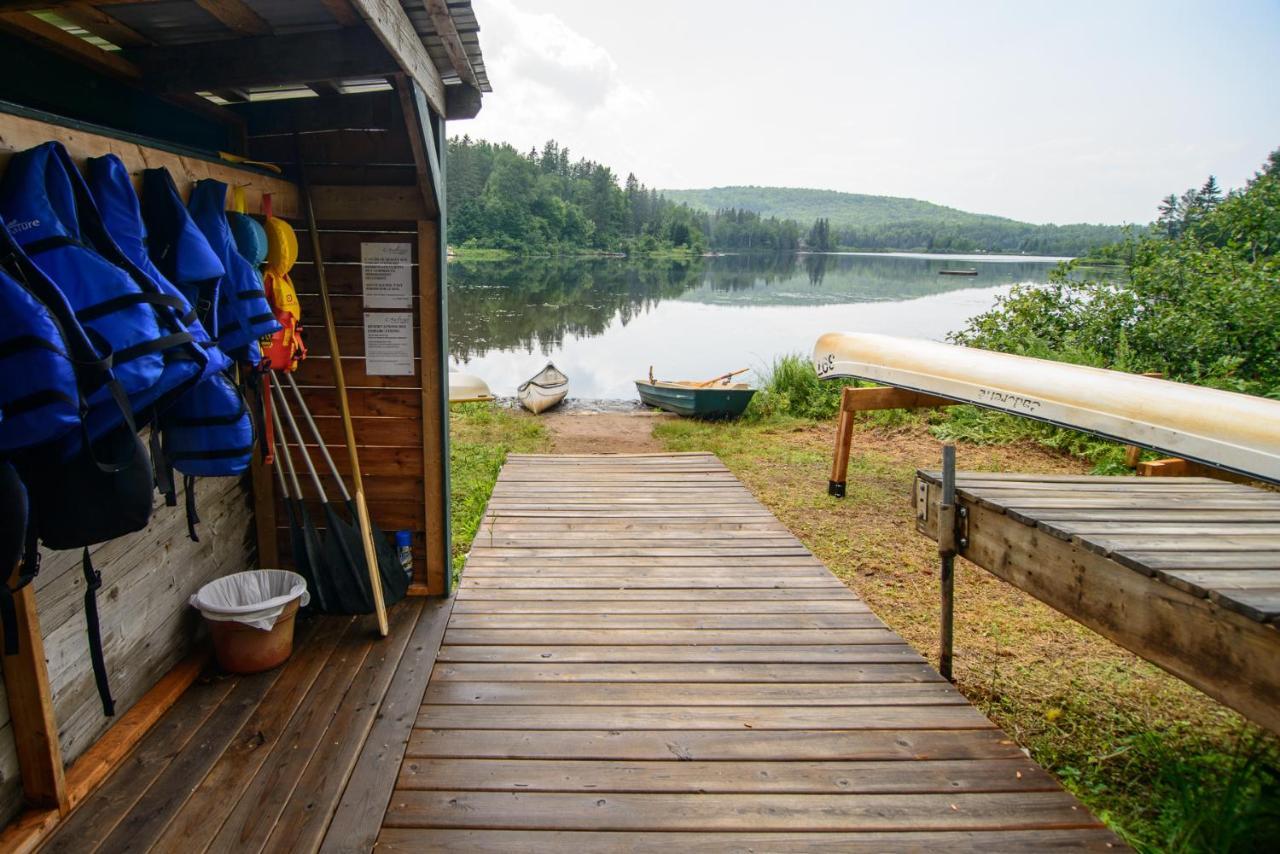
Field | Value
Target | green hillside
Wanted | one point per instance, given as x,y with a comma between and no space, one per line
842,209
859,221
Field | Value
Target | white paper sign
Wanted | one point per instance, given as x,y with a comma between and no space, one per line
387,269
388,343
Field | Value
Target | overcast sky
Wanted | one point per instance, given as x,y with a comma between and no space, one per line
1042,111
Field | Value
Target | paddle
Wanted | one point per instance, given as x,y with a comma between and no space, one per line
723,377
335,360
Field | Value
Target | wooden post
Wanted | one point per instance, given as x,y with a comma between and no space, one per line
435,410
35,730
947,555
840,464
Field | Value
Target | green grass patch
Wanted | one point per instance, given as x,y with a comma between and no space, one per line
480,437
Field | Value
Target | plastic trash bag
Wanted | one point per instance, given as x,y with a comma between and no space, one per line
255,598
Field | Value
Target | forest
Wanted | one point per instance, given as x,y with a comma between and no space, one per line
546,202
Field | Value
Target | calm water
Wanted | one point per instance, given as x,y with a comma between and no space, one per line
605,321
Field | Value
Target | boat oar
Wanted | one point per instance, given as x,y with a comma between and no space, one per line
335,360
723,377
394,581
303,536
338,574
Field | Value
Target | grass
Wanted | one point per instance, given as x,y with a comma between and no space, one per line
481,435
1165,766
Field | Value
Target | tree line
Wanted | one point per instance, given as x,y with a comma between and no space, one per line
546,202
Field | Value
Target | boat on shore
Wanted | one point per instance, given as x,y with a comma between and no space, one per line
714,398
543,390
468,388
1224,429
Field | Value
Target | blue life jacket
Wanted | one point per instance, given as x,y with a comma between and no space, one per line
207,432
192,270
51,213
50,366
244,315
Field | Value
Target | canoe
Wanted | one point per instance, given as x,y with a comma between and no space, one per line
957,272
1236,432
691,400
543,390
466,388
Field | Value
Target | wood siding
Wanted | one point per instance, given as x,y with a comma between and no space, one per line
147,626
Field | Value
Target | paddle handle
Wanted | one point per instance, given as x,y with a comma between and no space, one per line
340,383
727,376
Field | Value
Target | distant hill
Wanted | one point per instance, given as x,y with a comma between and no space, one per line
889,222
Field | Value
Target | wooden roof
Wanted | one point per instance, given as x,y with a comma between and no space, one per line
223,52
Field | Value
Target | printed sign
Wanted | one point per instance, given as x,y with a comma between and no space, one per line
388,343
387,270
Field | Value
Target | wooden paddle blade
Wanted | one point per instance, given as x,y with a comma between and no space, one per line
371,558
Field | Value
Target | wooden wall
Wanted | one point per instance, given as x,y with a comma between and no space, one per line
147,625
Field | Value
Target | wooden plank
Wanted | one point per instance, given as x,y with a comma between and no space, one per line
388,20
437,574
683,672
251,821
410,841
791,655
94,820
780,637
755,622
237,15
205,810
59,41
358,815
534,775
846,605
1225,654
553,717
301,824
718,694
903,745
756,812
31,712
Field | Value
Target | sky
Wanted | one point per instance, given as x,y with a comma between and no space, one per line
1041,111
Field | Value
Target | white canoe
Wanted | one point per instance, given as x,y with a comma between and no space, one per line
543,390
1232,431
465,388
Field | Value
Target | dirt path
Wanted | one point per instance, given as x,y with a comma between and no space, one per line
603,432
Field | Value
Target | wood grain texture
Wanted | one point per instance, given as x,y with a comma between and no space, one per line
638,647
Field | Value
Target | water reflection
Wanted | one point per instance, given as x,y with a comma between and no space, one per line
605,320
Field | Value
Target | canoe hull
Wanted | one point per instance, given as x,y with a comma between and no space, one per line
544,390
467,388
696,403
1237,432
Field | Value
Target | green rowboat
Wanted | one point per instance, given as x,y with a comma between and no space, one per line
696,401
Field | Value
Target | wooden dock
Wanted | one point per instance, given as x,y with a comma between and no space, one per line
1185,572
640,658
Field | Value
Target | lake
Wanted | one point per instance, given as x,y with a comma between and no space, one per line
605,321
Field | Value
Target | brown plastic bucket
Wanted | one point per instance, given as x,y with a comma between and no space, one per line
244,649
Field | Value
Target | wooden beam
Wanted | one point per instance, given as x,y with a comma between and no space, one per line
366,111
19,132
342,12
61,42
1177,467
435,409
1228,656
237,16
101,24
448,33
265,60
35,728
387,18
366,203
888,397
416,118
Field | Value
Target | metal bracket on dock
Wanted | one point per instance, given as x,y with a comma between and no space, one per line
962,528
922,499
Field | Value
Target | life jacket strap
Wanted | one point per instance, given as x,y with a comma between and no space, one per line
119,303
92,582
162,470
193,519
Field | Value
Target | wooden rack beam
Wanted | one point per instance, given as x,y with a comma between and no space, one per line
855,400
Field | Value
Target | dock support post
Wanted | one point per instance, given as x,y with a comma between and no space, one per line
840,464
947,555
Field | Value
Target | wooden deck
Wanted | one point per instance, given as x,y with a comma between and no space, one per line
1182,571
640,658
